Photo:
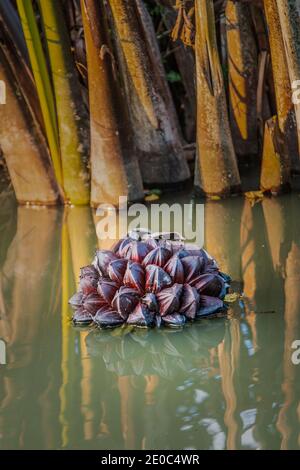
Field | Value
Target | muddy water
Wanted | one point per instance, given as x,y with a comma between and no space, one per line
219,384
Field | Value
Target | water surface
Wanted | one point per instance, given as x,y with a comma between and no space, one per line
226,383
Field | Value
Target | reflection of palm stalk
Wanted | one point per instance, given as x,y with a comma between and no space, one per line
287,422
76,251
67,349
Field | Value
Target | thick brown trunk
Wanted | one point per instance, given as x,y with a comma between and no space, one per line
24,148
153,119
243,77
185,60
285,109
275,168
289,15
218,171
113,173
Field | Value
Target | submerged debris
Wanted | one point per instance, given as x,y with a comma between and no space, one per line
149,282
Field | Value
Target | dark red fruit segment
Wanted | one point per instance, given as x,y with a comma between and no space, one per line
92,303
141,316
192,266
209,284
159,256
175,320
76,300
169,299
136,251
209,305
134,277
156,279
125,301
81,317
150,300
107,289
102,259
189,302
174,268
107,316
116,270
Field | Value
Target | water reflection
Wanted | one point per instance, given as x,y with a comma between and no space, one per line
224,383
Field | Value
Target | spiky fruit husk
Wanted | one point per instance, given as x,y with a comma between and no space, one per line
149,282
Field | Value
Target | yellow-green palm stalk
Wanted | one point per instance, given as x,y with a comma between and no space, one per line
69,106
43,83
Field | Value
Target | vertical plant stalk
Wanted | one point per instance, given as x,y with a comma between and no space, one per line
222,222
153,119
24,149
109,178
43,83
264,86
287,126
185,59
82,248
289,16
68,364
290,380
276,225
71,114
242,71
274,173
217,166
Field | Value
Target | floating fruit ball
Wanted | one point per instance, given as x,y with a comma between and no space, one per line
149,280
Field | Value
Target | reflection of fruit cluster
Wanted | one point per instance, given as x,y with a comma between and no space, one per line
149,282
162,352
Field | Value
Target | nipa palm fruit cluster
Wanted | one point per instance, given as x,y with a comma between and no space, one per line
149,281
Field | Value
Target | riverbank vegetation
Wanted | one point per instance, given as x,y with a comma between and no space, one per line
112,97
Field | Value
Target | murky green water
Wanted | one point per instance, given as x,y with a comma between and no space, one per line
223,383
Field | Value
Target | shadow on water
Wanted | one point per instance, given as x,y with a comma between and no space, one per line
223,383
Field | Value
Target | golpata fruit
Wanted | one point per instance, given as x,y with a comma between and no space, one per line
149,280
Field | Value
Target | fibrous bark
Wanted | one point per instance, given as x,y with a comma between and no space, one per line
285,131
24,147
242,71
185,60
114,172
153,118
289,15
218,171
275,174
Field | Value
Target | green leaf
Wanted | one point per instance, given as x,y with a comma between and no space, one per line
173,77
